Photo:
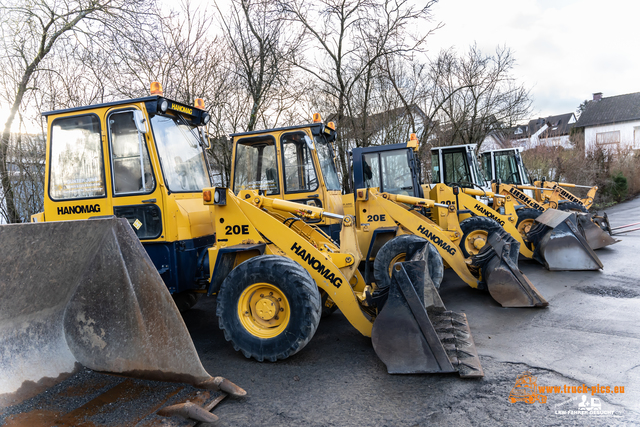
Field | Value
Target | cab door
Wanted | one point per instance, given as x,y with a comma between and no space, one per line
135,193
299,175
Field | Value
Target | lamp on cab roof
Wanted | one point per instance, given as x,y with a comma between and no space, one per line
413,142
199,103
156,88
317,118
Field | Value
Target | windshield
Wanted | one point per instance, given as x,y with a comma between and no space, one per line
180,154
327,165
256,167
506,167
393,167
456,168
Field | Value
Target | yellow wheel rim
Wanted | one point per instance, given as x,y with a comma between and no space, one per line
525,226
475,241
263,310
398,258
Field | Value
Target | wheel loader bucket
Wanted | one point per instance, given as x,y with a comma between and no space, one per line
596,236
410,339
498,264
560,242
86,292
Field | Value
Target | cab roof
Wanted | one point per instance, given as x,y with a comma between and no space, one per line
259,132
106,104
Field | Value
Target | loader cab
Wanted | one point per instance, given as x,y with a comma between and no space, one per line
456,164
295,163
391,168
505,165
140,159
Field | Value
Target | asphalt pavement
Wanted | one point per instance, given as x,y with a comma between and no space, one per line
588,336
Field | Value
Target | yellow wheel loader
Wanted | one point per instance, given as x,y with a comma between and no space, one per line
297,163
506,166
530,209
142,161
556,241
82,286
260,313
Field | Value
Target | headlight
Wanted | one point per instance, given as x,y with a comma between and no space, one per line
163,105
216,197
205,118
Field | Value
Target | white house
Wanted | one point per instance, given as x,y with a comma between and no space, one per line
612,123
552,131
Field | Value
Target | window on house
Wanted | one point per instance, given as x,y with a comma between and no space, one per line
636,138
607,138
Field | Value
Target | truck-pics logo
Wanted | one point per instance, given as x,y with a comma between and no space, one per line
317,265
78,209
526,390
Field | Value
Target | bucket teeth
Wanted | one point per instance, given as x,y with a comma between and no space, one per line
453,329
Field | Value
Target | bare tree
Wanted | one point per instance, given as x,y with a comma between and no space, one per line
351,37
478,94
262,48
30,32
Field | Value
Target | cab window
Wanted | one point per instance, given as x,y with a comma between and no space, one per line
371,170
76,158
456,168
397,177
435,168
299,173
256,166
486,166
129,156
506,168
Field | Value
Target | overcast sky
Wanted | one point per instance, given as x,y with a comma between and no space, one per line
565,49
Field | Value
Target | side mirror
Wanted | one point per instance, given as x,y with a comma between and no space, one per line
206,143
140,121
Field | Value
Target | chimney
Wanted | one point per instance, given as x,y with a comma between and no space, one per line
597,96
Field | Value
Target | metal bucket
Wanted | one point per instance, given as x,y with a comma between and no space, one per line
560,242
498,263
86,292
410,339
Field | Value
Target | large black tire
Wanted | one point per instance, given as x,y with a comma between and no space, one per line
394,251
526,217
572,206
476,225
283,277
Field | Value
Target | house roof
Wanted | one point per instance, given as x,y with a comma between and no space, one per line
613,109
559,125
352,126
